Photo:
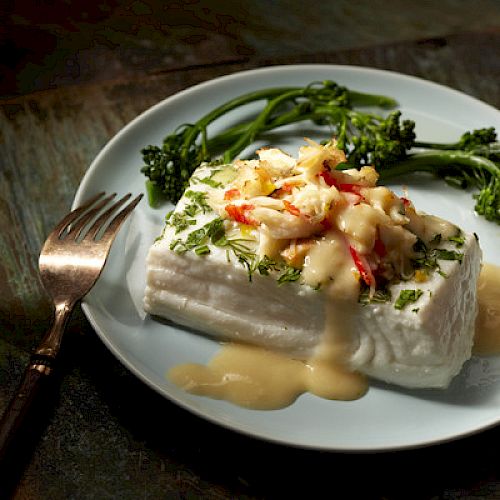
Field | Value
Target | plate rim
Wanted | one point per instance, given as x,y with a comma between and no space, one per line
243,428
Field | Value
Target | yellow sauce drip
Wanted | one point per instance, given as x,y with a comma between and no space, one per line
259,379
255,378
245,375
328,375
487,339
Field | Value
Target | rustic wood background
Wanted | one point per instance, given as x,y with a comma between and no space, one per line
71,75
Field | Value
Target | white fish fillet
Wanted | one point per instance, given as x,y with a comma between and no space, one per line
422,345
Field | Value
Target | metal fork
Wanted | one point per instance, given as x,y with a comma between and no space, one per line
71,260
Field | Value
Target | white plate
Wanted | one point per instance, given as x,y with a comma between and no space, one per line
387,417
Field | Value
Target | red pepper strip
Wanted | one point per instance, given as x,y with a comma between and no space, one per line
406,201
237,213
331,181
231,194
362,267
291,208
350,188
379,248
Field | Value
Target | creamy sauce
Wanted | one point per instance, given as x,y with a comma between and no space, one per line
434,225
245,375
426,227
256,378
487,339
330,257
360,222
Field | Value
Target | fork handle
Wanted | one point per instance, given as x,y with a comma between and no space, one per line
39,369
19,406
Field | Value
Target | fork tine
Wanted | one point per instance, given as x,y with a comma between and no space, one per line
72,216
99,223
76,229
119,218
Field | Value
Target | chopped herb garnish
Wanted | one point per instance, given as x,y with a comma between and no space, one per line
210,182
199,199
219,176
196,238
380,296
266,265
202,250
178,246
407,297
290,274
430,256
214,232
180,221
443,254
426,263
458,240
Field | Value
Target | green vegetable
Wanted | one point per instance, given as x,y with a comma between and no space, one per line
442,254
171,165
199,203
290,274
180,222
387,142
462,169
407,297
458,240
154,193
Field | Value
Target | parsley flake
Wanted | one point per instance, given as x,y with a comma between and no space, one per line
407,297
443,254
290,274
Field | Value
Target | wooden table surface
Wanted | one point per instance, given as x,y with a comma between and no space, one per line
107,435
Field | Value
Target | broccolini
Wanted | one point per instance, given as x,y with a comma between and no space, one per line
383,140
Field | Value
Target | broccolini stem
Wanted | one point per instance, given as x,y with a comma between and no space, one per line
433,145
440,162
299,113
360,99
202,124
259,123
473,141
354,98
333,113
